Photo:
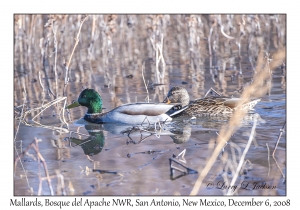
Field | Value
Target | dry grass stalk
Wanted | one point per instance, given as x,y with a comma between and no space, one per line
227,36
60,186
43,108
279,136
61,189
34,145
143,67
159,58
61,148
273,155
55,57
21,44
243,156
40,80
44,45
279,167
268,158
22,111
68,63
214,24
71,188
256,89
43,89
63,113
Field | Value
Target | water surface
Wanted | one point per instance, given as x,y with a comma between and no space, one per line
110,59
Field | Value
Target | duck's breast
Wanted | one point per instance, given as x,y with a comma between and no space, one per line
118,117
148,109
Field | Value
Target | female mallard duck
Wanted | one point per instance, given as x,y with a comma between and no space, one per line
127,113
212,106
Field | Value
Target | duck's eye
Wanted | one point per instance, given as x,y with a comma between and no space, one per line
84,96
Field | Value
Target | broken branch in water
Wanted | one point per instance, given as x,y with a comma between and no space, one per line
279,136
273,155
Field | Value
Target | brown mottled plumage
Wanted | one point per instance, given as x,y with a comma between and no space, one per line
212,106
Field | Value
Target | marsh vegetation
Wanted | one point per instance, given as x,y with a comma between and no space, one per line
138,58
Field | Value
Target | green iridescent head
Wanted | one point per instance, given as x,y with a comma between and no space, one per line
90,99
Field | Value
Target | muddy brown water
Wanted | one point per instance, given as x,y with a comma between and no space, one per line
139,164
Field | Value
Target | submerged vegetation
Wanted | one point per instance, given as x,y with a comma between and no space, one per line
138,58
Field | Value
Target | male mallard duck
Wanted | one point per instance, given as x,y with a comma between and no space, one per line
212,106
94,143
127,113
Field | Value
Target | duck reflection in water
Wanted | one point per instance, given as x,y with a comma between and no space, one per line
181,134
92,145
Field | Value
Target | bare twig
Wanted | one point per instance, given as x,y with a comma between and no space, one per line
279,167
40,80
55,57
62,182
18,156
227,36
212,90
68,63
268,158
257,88
158,48
147,98
43,108
34,145
243,155
209,38
273,155
279,136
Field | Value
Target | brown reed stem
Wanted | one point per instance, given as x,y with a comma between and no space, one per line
18,155
224,34
273,155
143,67
278,167
279,136
40,80
68,63
158,48
55,57
243,155
35,147
45,62
209,40
93,27
257,88
268,158
62,182
43,108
